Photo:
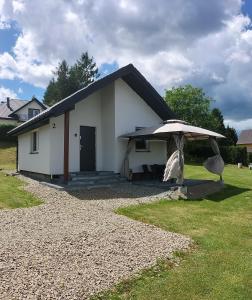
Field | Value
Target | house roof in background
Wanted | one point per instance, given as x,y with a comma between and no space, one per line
245,137
128,73
15,104
27,103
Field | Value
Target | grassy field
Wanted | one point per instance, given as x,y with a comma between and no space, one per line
7,156
12,194
220,265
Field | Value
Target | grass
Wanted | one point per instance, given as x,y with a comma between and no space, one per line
7,156
221,265
12,194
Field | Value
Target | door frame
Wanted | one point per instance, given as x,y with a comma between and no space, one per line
95,158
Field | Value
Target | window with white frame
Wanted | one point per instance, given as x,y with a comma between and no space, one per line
141,145
34,142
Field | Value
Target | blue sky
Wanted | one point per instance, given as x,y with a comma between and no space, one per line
172,43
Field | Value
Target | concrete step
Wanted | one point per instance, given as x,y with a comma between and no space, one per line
98,177
92,173
97,180
88,187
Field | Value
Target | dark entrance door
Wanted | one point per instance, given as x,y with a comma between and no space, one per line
87,148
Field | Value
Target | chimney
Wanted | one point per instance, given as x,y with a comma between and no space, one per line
8,103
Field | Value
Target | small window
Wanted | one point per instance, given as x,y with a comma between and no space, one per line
141,145
34,142
32,112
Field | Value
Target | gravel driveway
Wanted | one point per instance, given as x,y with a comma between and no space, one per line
72,246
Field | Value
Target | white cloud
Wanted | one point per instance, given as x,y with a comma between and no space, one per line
206,43
4,93
240,125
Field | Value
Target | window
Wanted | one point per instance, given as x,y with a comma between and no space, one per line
32,112
141,145
34,142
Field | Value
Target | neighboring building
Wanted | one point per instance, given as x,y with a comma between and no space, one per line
14,111
83,131
245,139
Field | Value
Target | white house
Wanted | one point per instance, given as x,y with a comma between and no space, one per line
14,111
82,132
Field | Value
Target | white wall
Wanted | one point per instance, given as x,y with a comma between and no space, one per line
86,113
108,128
57,145
132,111
23,112
37,162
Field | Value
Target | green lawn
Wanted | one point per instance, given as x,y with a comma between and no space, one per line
7,156
12,194
220,265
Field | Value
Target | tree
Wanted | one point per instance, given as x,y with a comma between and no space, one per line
84,71
190,104
68,80
231,136
51,95
217,121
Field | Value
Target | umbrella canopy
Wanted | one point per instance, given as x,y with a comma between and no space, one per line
171,127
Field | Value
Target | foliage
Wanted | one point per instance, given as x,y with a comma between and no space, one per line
198,152
250,157
4,129
231,136
191,104
68,80
220,225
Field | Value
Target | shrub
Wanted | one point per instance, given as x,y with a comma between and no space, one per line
4,128
249,157
200,151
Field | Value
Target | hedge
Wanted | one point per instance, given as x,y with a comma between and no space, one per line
198,152
4,128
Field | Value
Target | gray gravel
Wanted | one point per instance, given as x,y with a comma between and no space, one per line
73,246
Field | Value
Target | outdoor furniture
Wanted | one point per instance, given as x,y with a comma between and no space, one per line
250,166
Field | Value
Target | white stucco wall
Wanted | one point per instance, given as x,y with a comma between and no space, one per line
23,112
108,128
86,113
37,162
57,145
131,111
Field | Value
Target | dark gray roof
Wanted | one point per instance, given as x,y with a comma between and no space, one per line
128,73
15,104
245,137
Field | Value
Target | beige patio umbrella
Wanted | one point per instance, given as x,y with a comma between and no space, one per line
181,130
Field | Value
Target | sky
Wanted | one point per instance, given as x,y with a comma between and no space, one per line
172,42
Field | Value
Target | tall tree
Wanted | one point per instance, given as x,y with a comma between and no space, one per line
217,121
84,71
68,80
190,104
231,136
51,95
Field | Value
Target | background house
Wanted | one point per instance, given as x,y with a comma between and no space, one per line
14,111
245,139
